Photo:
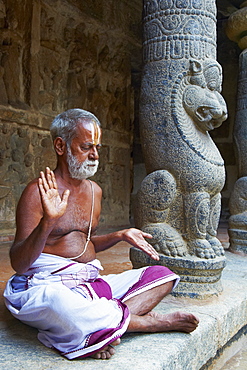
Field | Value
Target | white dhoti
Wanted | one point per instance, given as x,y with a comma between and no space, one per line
77,311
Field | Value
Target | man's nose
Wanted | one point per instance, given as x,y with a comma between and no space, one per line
94,154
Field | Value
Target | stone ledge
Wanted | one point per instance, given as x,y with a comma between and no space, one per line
27,117
221,319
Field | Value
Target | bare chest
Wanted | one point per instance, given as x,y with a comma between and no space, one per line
79,215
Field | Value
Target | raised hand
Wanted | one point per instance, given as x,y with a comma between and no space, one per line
54,206
136,238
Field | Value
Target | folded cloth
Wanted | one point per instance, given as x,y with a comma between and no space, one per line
77,311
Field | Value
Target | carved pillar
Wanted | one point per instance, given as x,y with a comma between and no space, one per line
237,31
179,200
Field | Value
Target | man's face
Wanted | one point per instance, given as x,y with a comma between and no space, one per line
82,154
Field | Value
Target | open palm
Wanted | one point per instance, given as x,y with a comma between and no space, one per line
54,206
136,238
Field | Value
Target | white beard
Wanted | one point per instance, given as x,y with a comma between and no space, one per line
80,171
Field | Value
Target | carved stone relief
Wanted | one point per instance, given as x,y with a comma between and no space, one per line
71,63
24,152
193,169
53,58
179,200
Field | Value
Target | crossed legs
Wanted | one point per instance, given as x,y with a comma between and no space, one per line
143,319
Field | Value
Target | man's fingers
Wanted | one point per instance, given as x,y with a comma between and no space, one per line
65,196
147,235
147,248
41,186
50,178
155,257
49,181
43,180
53,179
155,254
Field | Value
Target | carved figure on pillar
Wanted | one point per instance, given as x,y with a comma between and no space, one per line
179,200
236,31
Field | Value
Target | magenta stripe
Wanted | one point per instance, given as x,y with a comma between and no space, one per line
62,268
151,275
101,336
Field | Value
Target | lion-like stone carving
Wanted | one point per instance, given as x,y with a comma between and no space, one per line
179,201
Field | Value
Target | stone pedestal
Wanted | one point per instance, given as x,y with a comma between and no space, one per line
238,241
238,219
199,278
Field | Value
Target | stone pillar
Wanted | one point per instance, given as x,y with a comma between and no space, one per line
179,199
237,31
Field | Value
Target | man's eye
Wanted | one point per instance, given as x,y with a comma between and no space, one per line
86,148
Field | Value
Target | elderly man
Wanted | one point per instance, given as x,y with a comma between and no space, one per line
57,287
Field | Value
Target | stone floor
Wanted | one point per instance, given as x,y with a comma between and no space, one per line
237,362
223,320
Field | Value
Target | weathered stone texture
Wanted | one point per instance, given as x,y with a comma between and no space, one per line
24,150
236,31
180,103
59,54
228,54
179,200
56,55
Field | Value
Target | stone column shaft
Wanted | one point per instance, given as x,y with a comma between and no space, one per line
179,200
236,31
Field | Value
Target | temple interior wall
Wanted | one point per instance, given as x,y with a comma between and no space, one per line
61,54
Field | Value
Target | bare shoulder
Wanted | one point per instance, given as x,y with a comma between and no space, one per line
29,210
30,194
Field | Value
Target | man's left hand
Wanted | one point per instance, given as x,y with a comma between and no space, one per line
136,238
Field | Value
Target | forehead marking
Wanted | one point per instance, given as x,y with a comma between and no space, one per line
95,133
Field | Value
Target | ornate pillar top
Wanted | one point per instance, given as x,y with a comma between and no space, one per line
179,29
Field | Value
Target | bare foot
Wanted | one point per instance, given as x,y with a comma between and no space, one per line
106,352
176,321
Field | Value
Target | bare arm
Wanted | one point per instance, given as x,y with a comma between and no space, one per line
38,211
132,236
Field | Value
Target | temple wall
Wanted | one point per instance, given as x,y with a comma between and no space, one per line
56,55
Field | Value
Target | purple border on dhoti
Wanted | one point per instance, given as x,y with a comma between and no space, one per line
98,340
152,276
101,288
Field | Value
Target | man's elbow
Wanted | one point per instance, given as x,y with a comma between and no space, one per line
17,264
17,267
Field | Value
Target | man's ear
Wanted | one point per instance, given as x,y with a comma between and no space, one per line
59,145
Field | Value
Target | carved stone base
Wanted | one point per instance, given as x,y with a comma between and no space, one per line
238,241
200,278
238,206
